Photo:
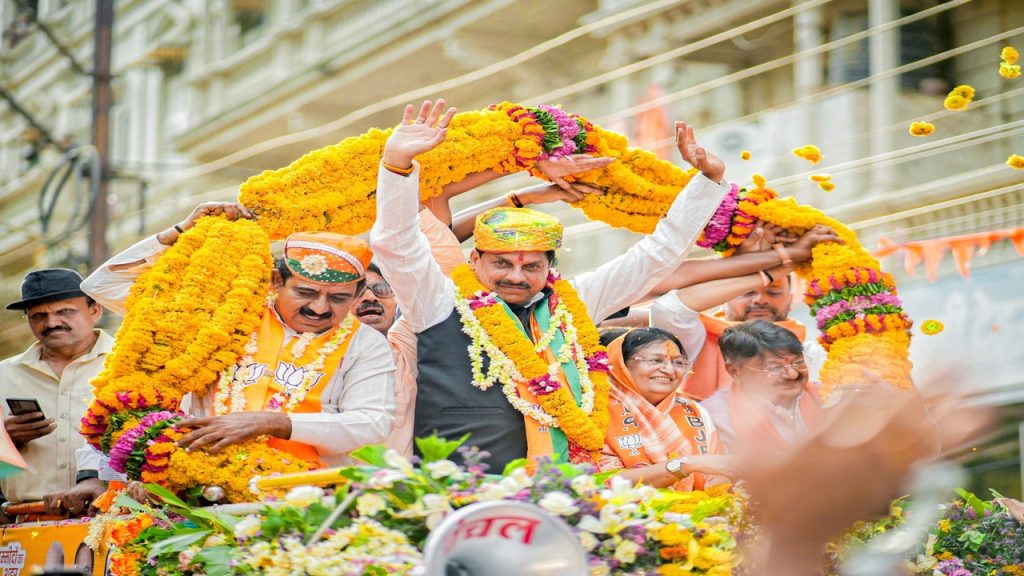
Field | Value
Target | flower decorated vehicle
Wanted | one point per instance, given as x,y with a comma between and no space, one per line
379,518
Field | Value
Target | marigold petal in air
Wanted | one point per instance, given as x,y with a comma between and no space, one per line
931,327
827,186
745,154
1009,55
820,177
922,129
965,91
1015,161
810,152
955,103
1009,71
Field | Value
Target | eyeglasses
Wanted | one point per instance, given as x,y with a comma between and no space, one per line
381,290
776,371
676,363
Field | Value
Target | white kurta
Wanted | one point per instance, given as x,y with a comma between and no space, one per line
358,404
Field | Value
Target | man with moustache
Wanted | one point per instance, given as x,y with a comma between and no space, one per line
319,383
771,398
756,285
55,371
513,257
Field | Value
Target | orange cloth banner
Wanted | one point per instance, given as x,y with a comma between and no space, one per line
963,248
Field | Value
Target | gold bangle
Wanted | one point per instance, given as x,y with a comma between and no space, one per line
514,199
397,170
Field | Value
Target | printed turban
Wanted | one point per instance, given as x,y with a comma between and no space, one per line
326,257
517,230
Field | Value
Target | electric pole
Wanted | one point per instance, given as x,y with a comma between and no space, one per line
102,100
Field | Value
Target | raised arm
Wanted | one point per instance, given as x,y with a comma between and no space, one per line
424,294
112,281
628,278
462,223
754,255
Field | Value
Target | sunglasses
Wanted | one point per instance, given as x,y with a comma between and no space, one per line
381,290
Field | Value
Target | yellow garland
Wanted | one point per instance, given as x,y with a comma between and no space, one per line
188,318
334,188
876,342
231,469
586,431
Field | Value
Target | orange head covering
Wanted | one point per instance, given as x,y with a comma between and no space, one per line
517,230
326,257
641,433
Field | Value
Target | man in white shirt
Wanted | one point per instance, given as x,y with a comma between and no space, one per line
55,371
348,403
447,402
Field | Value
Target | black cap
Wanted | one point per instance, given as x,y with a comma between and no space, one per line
42,286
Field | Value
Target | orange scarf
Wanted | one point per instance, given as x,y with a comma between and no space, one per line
280,368
709,373
641,433
753,427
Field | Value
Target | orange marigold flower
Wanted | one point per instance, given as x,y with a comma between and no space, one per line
1015,161
820,177
745,154
759,181
827,186
922,129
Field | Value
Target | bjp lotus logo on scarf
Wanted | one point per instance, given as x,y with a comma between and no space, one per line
248,375
291,377
631,442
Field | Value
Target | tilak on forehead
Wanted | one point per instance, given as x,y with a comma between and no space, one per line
326,257
517,230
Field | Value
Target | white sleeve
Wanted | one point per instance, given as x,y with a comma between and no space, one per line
619,282
669,313
112,281
424,295
361,411
814,356
89,458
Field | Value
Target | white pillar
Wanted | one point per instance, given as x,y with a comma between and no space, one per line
884,52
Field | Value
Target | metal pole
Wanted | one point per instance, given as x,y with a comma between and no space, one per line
102,99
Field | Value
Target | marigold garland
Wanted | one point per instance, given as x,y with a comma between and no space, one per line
580,425
334,188
853,302
187,319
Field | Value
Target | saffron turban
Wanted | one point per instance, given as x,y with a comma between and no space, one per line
326,257
517,230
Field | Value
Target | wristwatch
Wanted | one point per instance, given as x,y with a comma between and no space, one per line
675,466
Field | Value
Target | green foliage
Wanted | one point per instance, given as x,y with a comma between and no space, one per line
434,448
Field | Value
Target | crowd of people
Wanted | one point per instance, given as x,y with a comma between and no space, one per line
398,337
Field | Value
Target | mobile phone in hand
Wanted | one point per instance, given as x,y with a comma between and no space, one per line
21,406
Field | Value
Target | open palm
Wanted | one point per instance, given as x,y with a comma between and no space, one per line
419,134
710,165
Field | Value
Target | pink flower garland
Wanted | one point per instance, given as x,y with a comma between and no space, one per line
857,305
122,450
719,226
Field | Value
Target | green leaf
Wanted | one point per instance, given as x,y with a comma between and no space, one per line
974,502
215,560
178,542
973,539
375,571
372,455
167,496
601,477
434,448
514,465
123,500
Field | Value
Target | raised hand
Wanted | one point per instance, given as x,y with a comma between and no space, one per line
556,169
230,210
695,155
800,251
417,133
